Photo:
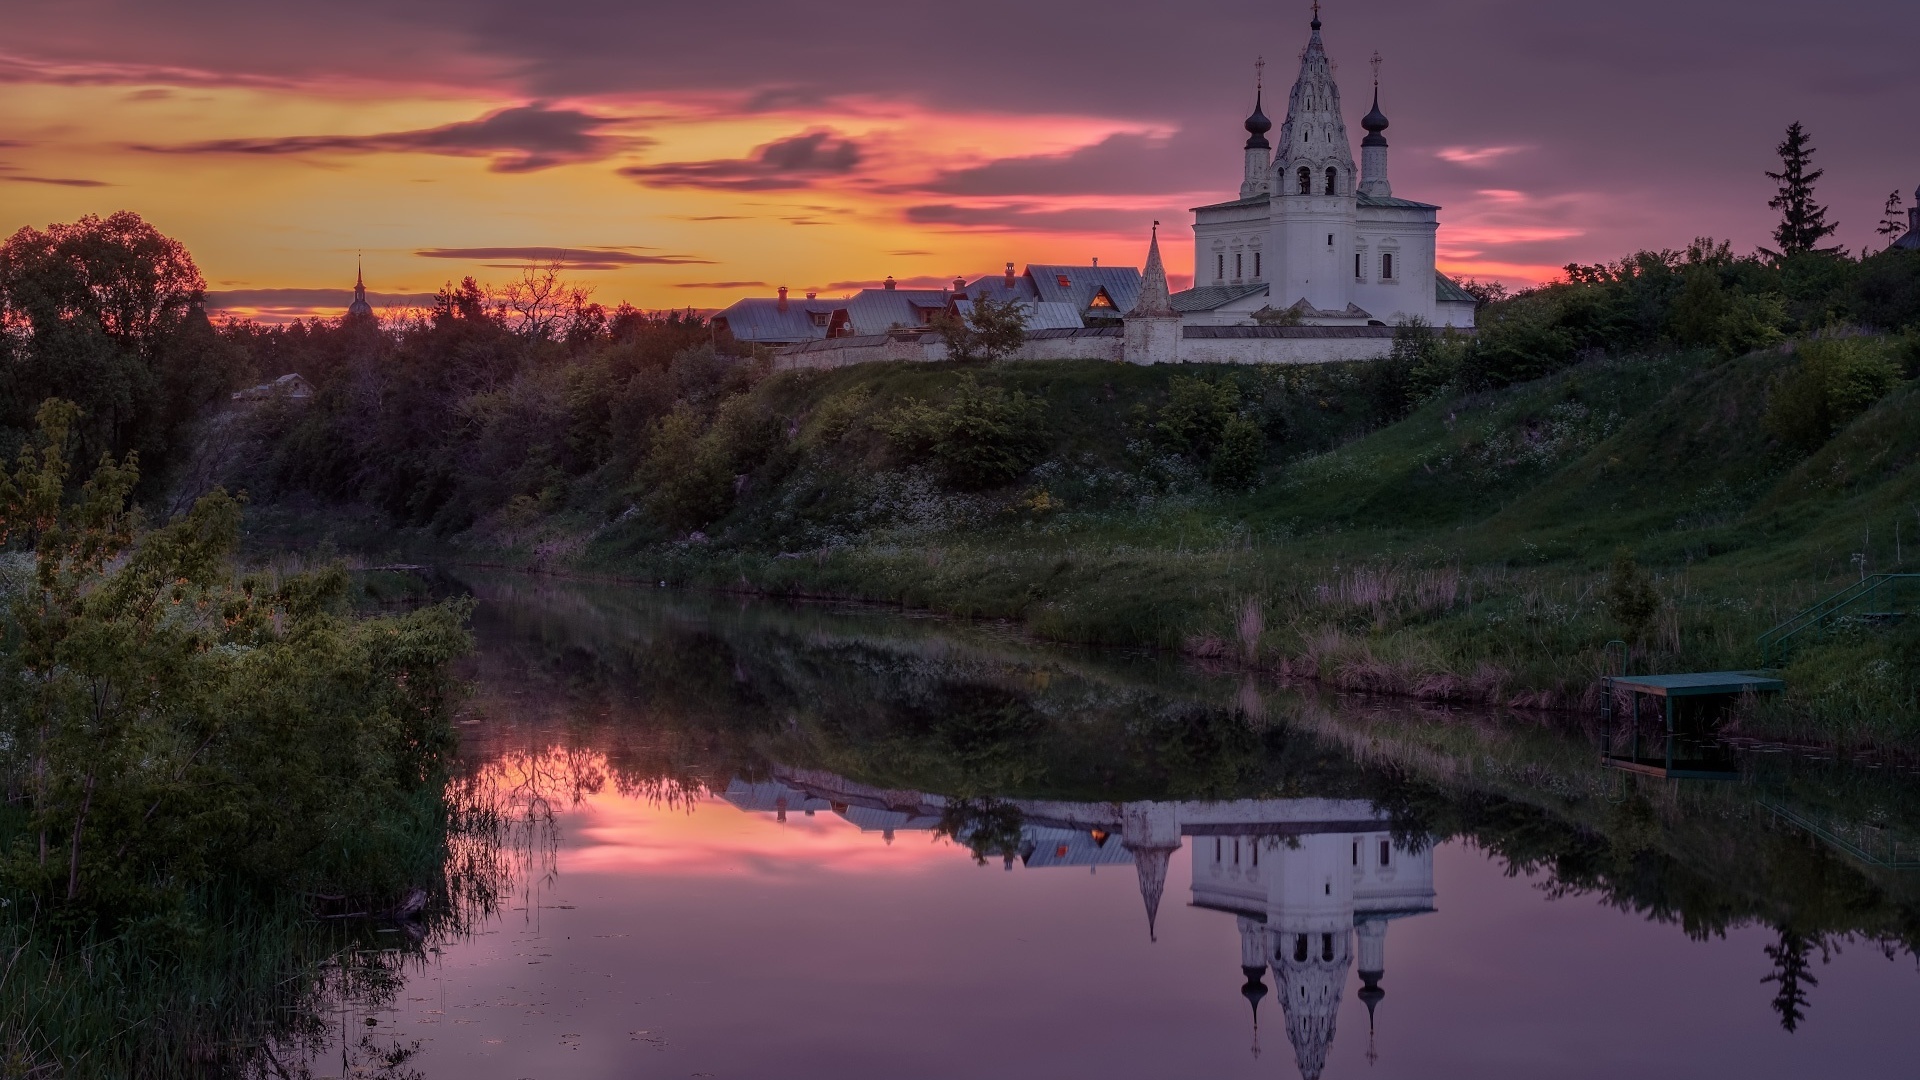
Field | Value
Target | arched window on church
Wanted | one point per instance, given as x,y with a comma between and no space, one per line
1386,267
1300,949
1306,180
1333,181
1326,948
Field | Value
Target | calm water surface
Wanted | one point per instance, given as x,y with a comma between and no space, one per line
760,842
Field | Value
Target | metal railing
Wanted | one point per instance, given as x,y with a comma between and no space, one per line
1879,596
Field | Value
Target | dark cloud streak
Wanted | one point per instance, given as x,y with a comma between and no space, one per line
576,258
782,165
523,138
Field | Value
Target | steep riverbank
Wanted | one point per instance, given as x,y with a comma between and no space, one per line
1483,548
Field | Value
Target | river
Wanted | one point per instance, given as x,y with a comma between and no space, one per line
759,840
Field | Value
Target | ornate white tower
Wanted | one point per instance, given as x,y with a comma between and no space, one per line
1313,188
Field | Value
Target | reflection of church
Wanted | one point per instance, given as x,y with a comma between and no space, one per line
1312,883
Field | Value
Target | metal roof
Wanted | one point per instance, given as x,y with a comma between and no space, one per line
760,318
1909,242
1388,202
1042,282
1448,291
1077,285
875,311
1210,297
1236,204
1040,315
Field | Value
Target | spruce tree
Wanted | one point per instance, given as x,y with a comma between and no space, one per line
1892,218
1803,222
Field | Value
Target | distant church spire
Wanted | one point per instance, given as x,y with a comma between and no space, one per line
1154,302
359,309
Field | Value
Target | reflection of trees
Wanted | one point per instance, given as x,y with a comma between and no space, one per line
1792,973
985,826
678,698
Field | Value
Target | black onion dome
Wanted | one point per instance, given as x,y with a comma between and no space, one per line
1257,127
1375,122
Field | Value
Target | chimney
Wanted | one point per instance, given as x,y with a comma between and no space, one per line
783,299
1096,262
1009,275
889,283
959,283
813,294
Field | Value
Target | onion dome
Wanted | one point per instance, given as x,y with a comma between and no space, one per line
1375,122
1257,126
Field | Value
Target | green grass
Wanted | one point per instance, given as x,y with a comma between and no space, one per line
1459,553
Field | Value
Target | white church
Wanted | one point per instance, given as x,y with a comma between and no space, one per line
1311,240
1314,260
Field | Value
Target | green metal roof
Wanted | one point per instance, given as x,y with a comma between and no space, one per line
1388,202
1448,291
1237,204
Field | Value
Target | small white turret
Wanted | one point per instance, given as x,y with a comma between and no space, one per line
1373,148
1258,176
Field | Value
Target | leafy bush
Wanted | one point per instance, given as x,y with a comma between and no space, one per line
1631,598
991,330
1195,416
1236,464
984,436
1832,381
170,733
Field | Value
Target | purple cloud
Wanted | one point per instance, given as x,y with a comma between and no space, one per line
523,138
578,258
781,165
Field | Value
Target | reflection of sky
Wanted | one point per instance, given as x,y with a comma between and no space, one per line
726,944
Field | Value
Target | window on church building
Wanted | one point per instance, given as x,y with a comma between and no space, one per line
1237,265
1386,267
1306,180
1220,271
1329,239
1300,949
1333,181
1385,849
1356,266
1326,948
1356,853
1256,264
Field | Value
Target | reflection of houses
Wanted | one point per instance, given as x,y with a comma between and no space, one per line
1312,883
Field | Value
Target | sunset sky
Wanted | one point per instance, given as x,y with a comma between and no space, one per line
687,154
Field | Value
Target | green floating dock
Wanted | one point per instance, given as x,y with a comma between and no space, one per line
1699,684
1693,754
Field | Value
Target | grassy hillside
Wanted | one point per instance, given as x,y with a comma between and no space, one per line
1483,547
1468,551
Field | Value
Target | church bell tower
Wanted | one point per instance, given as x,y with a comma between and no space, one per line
1313,183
